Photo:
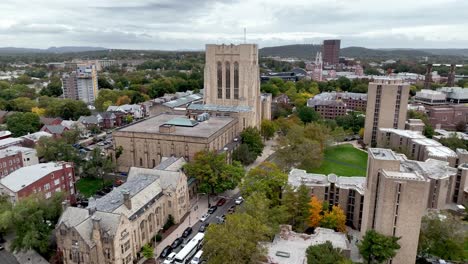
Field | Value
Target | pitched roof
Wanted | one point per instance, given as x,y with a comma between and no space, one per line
50,120
54,129
89,120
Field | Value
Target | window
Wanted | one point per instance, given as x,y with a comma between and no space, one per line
219,76
141,162
154,163
48,195
236,80
57,189
169,204
57,182
228,80
46,187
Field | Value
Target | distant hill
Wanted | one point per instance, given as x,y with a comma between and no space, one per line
308,51
65,49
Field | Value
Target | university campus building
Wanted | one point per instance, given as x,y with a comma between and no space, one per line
231,102
113,228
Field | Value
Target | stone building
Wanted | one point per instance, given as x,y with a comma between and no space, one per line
146,142
387,101
115,227
232,85
332,105
447,116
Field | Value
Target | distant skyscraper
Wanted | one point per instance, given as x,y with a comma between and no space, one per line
317,71
331,51
428,77
81,84
387,105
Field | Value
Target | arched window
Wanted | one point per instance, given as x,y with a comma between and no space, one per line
236,80
228,80
220,79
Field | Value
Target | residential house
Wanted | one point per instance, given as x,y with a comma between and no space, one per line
91,121
56,130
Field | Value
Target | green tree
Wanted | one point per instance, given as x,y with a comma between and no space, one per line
454,142
442,235
20,124
147,251
344,83
267,129
53,89
378,248
51,149
266,178
23,104
244,155
236,241
251,136
98,165
324,254
213,173
32,220
307,114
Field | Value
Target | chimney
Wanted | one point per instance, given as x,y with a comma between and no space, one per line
96,222
126,199
451,76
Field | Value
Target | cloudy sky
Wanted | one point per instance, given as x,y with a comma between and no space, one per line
189,24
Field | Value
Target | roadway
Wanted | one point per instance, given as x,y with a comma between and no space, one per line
7,257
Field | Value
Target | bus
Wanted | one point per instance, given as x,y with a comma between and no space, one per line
184,256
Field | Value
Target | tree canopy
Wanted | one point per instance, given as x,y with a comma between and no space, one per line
213,173
324,254
378,248
20,124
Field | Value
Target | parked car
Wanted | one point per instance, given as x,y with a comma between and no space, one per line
221,202
187,232
239,200
177,242
165,252
197,258
221,219
212,209
204,217
170,258
231,209
203,227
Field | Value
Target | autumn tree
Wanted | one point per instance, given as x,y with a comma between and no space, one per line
266,178
377,248
123,100
315,211
213,173
334,219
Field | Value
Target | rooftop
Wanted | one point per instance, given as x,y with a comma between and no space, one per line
203,129
25,176
431,168
294,245
183,100
36,136
10,141
12,150
297,177
403,133
220,108
382,154
182,121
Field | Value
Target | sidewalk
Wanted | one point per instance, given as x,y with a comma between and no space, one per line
268,150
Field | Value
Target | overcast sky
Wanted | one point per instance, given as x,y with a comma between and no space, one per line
189,24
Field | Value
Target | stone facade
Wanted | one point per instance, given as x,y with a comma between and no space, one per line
387,101
115,227
146,142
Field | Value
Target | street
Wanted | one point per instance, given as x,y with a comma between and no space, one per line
7,257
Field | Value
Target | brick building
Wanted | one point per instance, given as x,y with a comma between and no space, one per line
331,51
447,116
14,157
42,179
333,104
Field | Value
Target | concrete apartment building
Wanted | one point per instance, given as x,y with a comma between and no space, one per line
81,84
333,104
232,85
430,97
387,101
396,200
331,51
145,143
14,157
114,227
39,179
347,192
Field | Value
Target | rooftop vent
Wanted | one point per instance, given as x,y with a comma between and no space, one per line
203,117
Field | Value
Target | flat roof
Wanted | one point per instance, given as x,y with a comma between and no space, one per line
12,150
220,108
204,129
25,176
382,154
10,141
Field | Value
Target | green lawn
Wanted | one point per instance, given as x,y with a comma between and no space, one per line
89,186
343,160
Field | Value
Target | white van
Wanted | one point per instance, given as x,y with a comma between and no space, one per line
170,258
197,258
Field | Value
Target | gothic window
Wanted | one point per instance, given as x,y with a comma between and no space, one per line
236,80
228,80
219,76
